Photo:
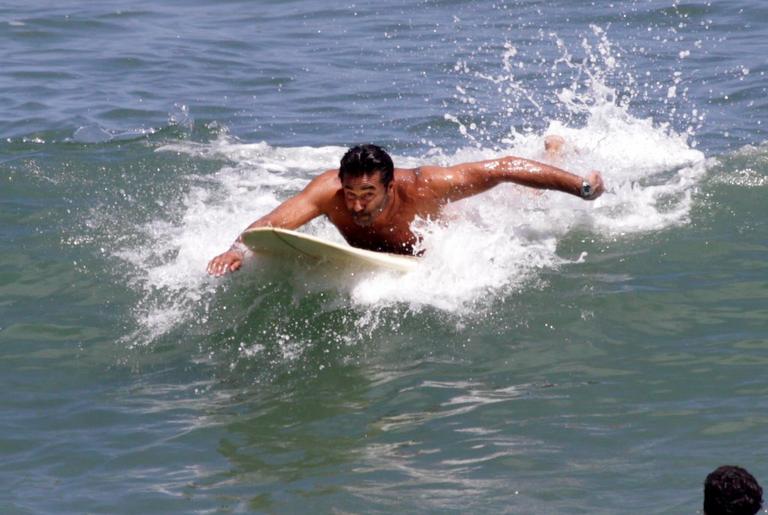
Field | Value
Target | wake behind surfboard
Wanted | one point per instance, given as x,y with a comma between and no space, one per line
283,242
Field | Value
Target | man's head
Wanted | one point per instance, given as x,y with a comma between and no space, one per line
366,174
731,490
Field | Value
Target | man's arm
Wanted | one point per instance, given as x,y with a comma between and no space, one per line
291,214
467,179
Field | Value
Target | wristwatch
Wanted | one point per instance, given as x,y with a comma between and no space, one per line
586,189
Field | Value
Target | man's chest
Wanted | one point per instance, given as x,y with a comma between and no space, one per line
393,235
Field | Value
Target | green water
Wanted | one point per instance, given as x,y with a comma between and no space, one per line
552,356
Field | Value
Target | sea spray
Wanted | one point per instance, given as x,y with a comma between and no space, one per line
483,250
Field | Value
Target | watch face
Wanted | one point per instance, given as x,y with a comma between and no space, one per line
586,189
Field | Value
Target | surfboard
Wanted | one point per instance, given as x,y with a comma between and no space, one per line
292,244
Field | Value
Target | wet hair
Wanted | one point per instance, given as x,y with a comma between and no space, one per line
731,490
365,160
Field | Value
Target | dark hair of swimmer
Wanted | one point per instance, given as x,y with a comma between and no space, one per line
731,490
365,160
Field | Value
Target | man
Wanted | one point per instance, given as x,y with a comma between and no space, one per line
373,204
731,490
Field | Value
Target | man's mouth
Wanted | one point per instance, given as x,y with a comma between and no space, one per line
362,219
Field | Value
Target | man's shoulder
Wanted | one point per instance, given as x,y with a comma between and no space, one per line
331,175
326,182
429,179
423,175
323,189
421,185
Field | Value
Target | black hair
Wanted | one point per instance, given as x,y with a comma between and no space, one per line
731,490
362,160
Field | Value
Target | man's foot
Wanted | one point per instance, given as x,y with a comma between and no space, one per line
553,145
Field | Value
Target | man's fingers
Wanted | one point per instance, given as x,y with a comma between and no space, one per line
220,266
596,180
216,267
236,264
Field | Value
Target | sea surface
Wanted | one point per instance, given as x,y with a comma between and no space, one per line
549,355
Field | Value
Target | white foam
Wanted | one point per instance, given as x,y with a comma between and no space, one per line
175,248
485,248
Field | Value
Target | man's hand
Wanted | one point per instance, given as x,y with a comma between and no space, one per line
595,180
225,263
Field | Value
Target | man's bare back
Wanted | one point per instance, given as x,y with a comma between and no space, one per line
373,204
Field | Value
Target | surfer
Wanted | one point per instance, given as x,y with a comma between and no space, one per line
372,203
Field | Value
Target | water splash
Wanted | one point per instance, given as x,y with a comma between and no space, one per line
486,248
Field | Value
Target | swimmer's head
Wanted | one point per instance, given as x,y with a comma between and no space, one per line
362,160
731,490
366,174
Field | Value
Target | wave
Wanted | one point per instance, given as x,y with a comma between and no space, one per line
485,249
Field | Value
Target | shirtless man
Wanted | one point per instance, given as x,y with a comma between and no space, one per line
373,204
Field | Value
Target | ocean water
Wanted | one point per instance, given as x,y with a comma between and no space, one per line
548,356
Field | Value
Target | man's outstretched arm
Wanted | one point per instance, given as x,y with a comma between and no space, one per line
467,179
291,214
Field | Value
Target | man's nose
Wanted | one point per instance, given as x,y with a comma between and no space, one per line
357,206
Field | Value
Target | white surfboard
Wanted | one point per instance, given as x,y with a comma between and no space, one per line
282,242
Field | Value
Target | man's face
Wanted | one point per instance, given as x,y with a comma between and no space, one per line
365,197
